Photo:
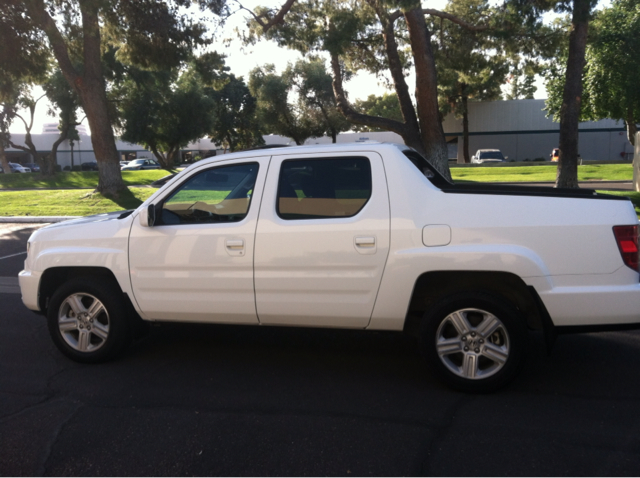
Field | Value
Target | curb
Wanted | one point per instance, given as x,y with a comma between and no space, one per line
35,219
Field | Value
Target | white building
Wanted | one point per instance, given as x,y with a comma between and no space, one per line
521,131
48,128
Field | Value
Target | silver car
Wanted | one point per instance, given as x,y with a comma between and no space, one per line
142,163
17,168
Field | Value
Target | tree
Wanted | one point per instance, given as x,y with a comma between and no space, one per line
151,33
314,87
613,66
164,113
234,116
66,102
277,111
567,176
24,61
565,89
521,81
27,102
383,36
469,64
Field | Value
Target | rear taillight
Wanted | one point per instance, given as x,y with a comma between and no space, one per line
627,239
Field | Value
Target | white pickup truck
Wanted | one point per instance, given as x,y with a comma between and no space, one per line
362,236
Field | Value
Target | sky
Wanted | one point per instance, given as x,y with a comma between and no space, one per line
242,59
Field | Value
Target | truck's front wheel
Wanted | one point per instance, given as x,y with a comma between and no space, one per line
88,320
475,341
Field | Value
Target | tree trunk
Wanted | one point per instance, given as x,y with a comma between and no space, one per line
465,130
632,128
31,149
89,85
431,131
399,82
411,138
567,176
52,160
3,157
174,153
162,159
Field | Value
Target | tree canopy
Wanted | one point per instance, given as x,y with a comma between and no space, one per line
383,37
164,111
279,111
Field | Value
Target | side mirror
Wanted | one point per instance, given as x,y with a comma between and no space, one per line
148,216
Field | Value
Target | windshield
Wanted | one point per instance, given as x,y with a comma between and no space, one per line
491,155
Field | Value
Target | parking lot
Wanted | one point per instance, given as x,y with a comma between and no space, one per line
233,400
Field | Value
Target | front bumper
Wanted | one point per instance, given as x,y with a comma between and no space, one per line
29,286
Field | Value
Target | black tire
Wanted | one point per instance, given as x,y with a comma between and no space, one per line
474,361
96,345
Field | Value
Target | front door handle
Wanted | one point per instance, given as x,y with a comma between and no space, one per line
235,247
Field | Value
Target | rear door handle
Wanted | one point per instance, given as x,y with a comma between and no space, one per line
365,241
365,244
235,247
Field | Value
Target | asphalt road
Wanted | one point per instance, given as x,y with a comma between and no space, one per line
232,400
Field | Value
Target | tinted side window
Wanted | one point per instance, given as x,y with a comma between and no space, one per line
220,194
323,188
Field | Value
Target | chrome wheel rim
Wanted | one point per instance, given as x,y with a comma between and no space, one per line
472,343
83,322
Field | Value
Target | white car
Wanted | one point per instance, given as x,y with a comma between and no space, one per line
17,168
488,156
140,164
361,236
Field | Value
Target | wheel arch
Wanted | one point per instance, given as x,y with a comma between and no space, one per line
430,287
53,277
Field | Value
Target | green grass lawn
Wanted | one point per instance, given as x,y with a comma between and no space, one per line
610,172
71,180
84,203
68,202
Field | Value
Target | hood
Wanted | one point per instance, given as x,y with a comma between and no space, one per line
108,216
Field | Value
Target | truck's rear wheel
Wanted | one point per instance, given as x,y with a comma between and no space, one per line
88,320
475,342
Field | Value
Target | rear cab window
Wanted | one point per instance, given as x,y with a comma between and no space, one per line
323,187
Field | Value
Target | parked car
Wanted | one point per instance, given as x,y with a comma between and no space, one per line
142,163
89,166
17,168
488,156
361,236
35,168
